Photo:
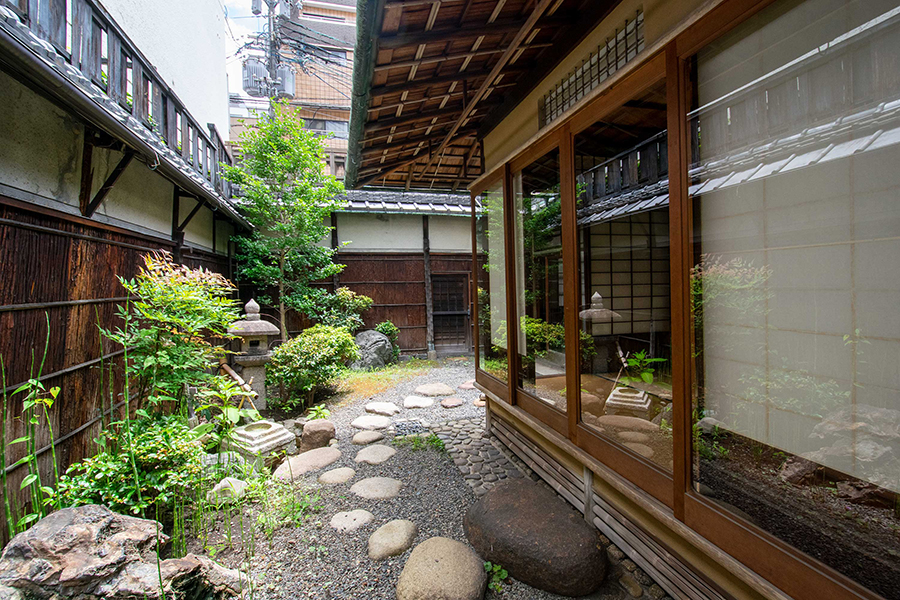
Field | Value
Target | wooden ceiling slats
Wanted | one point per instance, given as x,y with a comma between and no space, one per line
442,69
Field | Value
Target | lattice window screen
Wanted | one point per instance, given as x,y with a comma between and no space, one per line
608,58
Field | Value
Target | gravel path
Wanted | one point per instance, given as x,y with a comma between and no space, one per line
316,561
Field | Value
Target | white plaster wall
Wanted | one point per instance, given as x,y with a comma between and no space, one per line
40,151
450,234
185,41
380,233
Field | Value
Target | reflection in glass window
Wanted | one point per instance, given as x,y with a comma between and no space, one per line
795,135
539,278
623,238
491,270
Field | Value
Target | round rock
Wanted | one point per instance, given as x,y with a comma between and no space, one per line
391,539
297,466
377,488
347,522
371,422
339,475
478,402
467,385
316,434
434,389
442,568
388,409
634,436
417,402
538,538
451,402
367,437
375,454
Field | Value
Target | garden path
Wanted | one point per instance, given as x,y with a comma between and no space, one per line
382,497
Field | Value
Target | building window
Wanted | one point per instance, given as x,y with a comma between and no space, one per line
611,56
491,280
539,278
795,289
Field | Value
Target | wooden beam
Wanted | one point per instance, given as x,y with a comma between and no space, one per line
429,296
408,118
190,216
426,60
524,31
406,86
446,34
108,184
87,171
409,141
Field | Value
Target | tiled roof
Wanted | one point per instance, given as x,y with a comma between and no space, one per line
413,203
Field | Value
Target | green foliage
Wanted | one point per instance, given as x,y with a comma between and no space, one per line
393,334
340,309
318,412
497,576
173,313
288,196
221,404
312,359
417,442
166,458
541,336
282,504
639,369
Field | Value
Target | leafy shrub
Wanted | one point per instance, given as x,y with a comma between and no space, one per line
166,465
319,412
393,334
340,309
173,313
312,359
222,404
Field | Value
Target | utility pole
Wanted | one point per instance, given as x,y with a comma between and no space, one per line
272,53
269,78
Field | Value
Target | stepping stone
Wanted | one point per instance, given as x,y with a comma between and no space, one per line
467,385
537,537
625,422
347,522
391,539
371,422
417,402
634,436
388,409
367,437
377,488
375,454
434,389
339,475
479,403
296,466
451,402
442,568
645,451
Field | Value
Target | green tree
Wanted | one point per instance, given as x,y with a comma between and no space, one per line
288,196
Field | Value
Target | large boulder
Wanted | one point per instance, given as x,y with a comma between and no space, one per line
442,568
538,538
316,434
375,350
295,467
91,552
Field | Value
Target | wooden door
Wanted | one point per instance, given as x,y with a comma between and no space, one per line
451,313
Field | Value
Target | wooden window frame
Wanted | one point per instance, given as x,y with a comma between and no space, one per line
787,568
492,384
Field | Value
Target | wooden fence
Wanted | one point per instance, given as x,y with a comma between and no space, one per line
62,269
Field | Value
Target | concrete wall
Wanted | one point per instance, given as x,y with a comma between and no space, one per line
185,41
450,234
522,123
40,161
380,233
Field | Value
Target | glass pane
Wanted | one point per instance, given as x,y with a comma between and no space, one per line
796,285
491,269
623,237
539,278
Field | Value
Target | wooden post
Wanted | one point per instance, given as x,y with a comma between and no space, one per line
335,279
429,303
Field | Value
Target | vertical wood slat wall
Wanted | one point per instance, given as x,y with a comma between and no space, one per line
76,290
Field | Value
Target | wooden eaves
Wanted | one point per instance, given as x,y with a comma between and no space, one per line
432,77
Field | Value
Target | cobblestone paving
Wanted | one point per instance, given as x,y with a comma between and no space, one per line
481,458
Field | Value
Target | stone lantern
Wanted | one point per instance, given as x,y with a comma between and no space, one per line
255,335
